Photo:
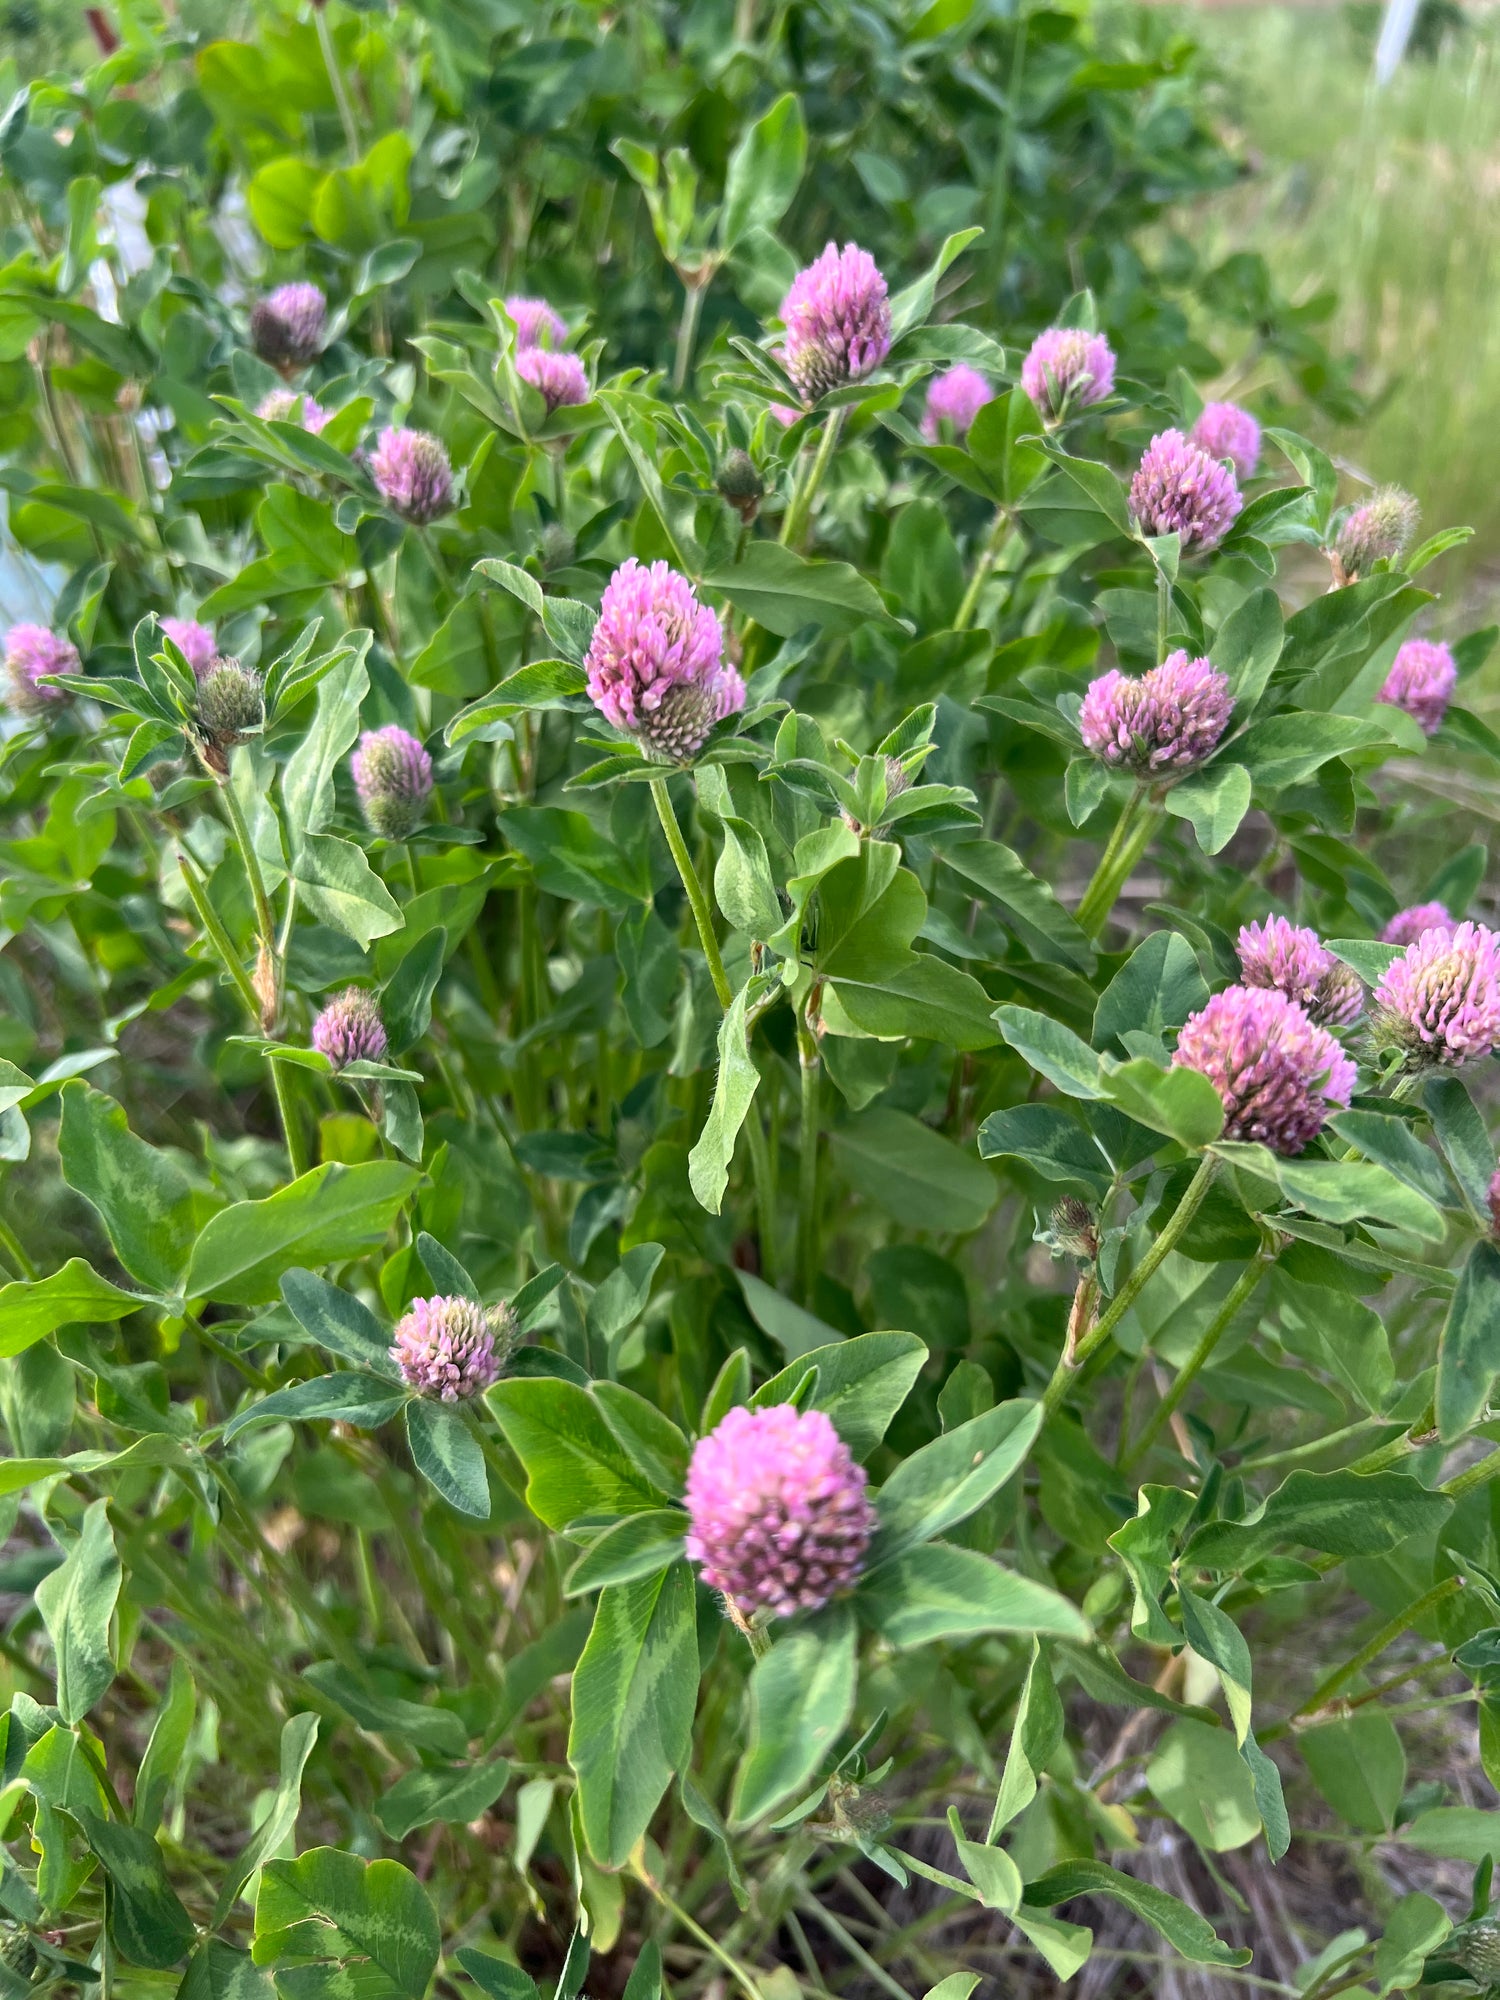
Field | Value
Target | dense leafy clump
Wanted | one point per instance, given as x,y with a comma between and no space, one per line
748,1222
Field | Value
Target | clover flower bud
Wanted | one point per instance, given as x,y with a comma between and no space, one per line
231,709
1381,530
1293,960
536,324
1169,720
954,398
412,474
1178,489
656,666
452,1348
855,1813
559,546
1224,430
1439,1003
740,483
1067,369
393,777
1420,683
195,642
349,1029
1074,1230
285,406
1279,1076
286,327
1408,925
1476,1947
897,781
778,1517
558,378
838,321
30,652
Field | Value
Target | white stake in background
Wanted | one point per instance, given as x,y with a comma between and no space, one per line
1395,33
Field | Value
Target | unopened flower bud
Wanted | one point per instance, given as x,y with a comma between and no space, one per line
231,709
393,777
741,484
1075,1229
1379,531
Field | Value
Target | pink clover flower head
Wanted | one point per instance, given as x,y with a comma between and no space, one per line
350,1029
285,406
1408,925
1439,1003
1278,1074
1067,369
1178,489
412,473
778,1516
195,642
1169,720
1224,430
838,321
1381,530
1289,958
393,777
954,398
1421,681
286,327
559,378
656,666
452,1348
536,323
30,652
785,415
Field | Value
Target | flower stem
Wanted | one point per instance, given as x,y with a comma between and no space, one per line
336,79
964,617
269,1001
680,1916
687,327
1163,613
1391,1631
291,1125
1069,1365
763,1170
1138,820
810,1066
208,916
800,510
1212,1334
696,895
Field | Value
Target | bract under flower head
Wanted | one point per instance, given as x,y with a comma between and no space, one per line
838,321
1224,430
1279,1076
412,473
1067,369
1167,721
393,777
349,1029
656,666
1178,489
954,400
1421,681
779,1519
1440,1001
452,1348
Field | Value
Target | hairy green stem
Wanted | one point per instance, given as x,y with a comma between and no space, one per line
336,79
208,916
1138,821
809,1064
265,922
803,495
1069,1364
15,1250
1163,613
696,895
763,1172
1212,1334
1388,1634
675,1911
694,290
984,563
291,1124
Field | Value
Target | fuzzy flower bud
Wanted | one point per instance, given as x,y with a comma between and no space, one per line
231,709
1075,1229
1381,530
195,642
1279,1076
1067,369
30,652
1440,1001
1178,489
557,378
1224,430
777,1511
955,399
656,666
412,474
1167,721
1293,960
536,324
349,1029
838,321
452,1348
286,327
1421,681
393,777
285,406
1408,925
741,484
897,781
